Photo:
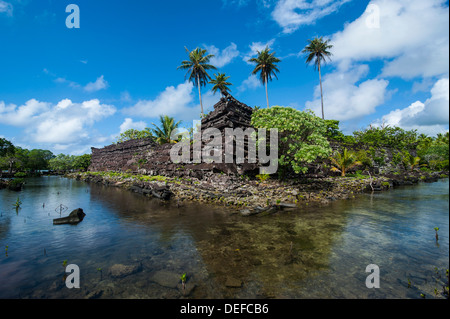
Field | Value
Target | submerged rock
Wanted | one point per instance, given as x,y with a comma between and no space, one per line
74,217
233,282
119,270
166,279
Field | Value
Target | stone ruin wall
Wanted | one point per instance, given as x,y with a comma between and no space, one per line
144,156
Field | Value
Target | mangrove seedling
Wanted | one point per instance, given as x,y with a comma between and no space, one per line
64,264
17,203
183,281
436,229
6,250
409,283
101,273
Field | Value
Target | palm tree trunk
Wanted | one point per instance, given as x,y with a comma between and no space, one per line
267,95
200,93
321,94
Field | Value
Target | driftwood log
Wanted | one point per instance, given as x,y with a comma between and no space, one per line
74,217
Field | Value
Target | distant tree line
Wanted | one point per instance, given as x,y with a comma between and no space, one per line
16,159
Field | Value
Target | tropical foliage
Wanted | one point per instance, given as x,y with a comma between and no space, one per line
301,135
394,137
220,83
197,67
16,159
266,66
164,133
342,162
318,51
133,134
434,151
64,163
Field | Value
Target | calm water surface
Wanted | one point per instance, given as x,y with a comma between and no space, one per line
315,252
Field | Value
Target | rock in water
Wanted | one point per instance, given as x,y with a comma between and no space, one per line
119,270
74,217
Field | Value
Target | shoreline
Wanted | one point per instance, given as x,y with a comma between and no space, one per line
252,197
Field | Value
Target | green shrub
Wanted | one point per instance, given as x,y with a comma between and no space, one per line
302,135
14,183
379,160
263,177
20,174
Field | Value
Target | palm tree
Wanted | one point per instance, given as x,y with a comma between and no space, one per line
168,126
412,162
220,83
317,50
266,66
196,67
345,161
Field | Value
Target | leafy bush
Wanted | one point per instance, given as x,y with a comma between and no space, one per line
14,183
20,174
394,137
439,165
302,135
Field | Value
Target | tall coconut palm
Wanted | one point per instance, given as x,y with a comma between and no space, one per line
318,50
196,67
220,83
266,67
163,133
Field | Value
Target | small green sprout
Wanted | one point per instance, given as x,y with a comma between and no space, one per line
436,229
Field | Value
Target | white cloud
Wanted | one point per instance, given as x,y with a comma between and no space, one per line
292,14
252,82
430,117
255,47
63,123
224,57
172,102
98,85
411,38
130,124
344,98
125,96
6,7
180,102
23,115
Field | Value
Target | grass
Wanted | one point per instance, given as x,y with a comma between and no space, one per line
123,176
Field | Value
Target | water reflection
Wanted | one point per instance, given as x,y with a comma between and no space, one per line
314,252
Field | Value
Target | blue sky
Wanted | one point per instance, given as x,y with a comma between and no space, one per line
67,90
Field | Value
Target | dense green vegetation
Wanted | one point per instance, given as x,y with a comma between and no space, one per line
16,159
302,137
133,134
161,134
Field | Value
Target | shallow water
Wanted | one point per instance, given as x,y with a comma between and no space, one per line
313,252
